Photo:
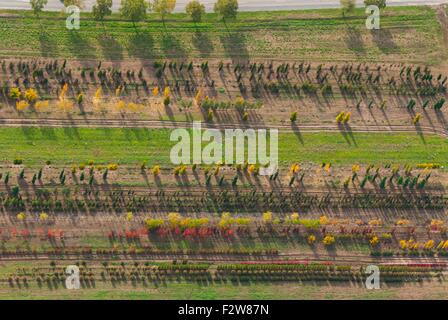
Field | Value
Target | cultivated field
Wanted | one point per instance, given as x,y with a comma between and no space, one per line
86,176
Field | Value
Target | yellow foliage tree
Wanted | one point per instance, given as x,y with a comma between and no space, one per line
97,97
41,105
375,222
198,97
15,93
374,241
135,107
340,117
21,216
153,223
251,168
65,105
43,216
267,217
402,222
63,92
129,216
311,239
98,93
174,219
403,244
294,168
112,167
323,220
226,220
156,170
445,245
166,92
22,105
31,95
163,7
417,118
243,221
429,244
329,240
295,217
121,105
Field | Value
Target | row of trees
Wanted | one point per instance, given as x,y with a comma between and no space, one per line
136,10
349,5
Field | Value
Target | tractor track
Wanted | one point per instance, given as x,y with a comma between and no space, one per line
353,259
180,190
161,124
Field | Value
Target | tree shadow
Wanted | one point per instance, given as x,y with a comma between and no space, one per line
79,46
111,49
48,47
296,130
141,45
203,43
384,40
172,47
354,40
235,46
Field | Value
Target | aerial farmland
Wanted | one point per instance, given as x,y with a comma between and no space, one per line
220,150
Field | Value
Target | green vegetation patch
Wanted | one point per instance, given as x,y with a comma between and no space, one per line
132,146
410,34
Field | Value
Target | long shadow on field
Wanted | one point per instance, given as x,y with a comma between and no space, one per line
110,47
29,133
346,133
349,132
203,43
141,45
142,134
72,133
354,40
235,46
79,46
384,40
296,130
48,47
419,131
172,46
48,133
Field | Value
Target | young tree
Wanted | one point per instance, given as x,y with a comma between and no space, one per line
195,10
101,9
78,3
347,6
227,9
38,5
379,3
163,7
134,10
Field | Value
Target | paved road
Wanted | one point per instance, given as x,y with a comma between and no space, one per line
245,5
